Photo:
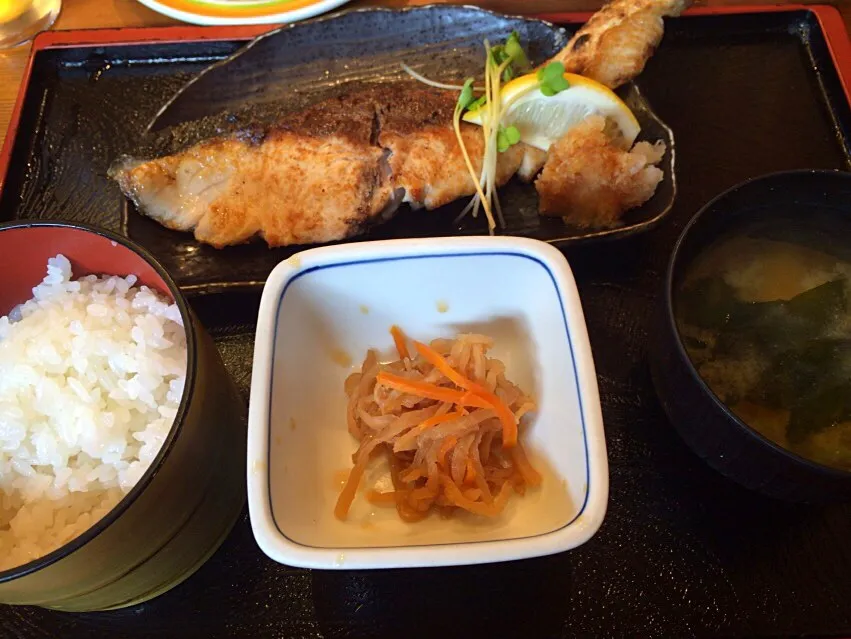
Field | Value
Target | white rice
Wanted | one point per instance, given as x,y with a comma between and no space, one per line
91,375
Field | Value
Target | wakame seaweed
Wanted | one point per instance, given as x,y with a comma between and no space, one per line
808,361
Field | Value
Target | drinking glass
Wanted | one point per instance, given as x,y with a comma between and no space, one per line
20,20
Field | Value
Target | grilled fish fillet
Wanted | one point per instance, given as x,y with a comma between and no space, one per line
425,159
314,179
618,40
319,175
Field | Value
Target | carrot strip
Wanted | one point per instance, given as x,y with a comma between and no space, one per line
408,512
437,360
423,496
472,494
439,476
429,391
454,494
399,340
430,422
509,421
381,499
482,482
470,397
347,495
447,445
531,476
433,421
412,474
470,476
502,497
401,493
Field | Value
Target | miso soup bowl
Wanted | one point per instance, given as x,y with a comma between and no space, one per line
706,424
323,309
186,503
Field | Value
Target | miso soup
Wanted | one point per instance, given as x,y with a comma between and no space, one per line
765,320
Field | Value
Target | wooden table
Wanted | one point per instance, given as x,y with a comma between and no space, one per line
89,14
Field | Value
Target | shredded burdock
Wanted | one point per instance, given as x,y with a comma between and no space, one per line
449,422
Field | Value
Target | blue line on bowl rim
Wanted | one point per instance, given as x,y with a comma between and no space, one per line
271,375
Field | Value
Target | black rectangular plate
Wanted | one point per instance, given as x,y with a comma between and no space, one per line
682,550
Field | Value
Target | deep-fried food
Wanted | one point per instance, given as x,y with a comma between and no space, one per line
590,179
618,40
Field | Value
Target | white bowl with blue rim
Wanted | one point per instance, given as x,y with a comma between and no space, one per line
321,311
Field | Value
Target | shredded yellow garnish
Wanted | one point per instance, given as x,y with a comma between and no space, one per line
432,83
486,185
456,124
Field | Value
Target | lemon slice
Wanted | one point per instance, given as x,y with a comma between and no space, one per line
542,120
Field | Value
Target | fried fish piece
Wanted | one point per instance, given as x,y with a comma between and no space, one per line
591,178
618,40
